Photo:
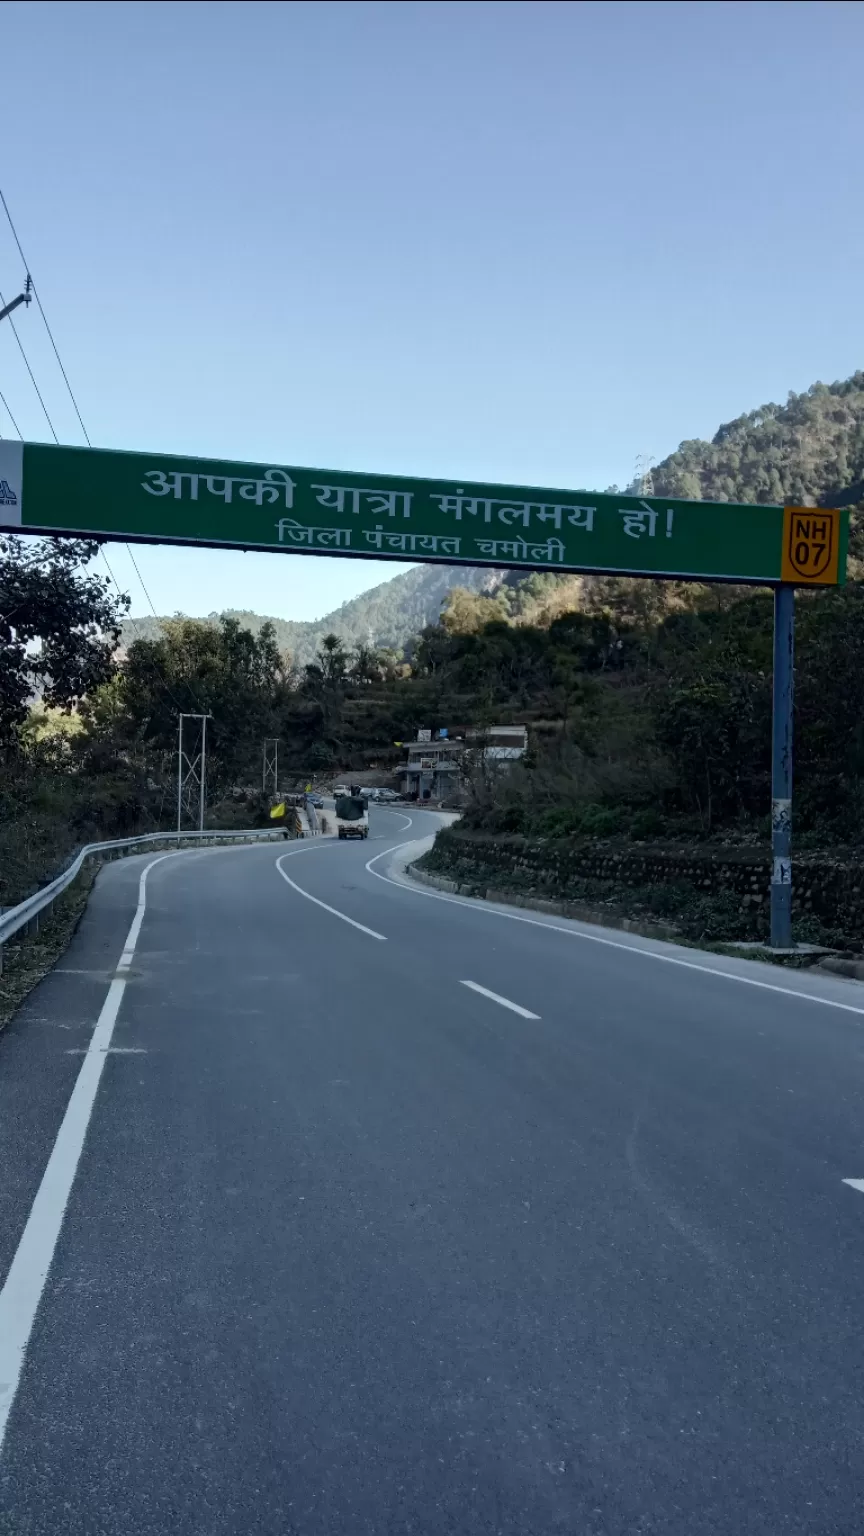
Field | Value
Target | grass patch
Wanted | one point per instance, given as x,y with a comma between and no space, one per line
29,957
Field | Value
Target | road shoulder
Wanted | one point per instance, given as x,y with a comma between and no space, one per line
840,993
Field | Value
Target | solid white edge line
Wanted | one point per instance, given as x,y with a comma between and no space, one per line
596,938
332,910
497,998
408,820
855,1184
28,1272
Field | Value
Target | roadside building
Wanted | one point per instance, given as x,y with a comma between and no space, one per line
500,743
434,769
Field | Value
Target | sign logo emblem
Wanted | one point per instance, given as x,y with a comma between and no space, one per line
7,495
810,544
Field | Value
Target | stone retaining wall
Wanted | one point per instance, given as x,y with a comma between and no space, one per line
722,892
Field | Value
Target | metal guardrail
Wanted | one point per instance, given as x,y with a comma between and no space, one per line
29,911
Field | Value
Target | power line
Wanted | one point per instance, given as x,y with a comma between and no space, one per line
30,371
35,290
160,677
141,579
83,428
158,673
192,691
9,414
44,319
156,616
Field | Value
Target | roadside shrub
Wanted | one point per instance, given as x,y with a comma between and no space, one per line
646,824
602,820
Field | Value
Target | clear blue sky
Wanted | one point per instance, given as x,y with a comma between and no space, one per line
516,242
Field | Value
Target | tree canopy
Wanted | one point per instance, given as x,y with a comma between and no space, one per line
59,626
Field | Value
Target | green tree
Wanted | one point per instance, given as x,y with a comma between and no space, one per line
829,713
369,665
465,613
226,672
327,672
59,626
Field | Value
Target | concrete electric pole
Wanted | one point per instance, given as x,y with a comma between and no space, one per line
23,298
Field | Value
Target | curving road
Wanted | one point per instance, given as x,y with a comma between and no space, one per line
367,1210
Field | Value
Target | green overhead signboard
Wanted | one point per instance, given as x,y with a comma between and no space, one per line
159,498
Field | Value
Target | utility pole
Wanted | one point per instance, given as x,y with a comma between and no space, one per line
23,298
204,719
781,768
191,772
270,771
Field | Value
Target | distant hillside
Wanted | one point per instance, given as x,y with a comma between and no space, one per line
387,615
804,453
798,453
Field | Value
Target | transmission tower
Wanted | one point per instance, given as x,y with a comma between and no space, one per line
191,771
643,479
270,769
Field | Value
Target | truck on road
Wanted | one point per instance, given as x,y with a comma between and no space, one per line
352,816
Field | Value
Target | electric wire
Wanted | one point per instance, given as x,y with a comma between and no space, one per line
5,404
30,371
50,333
44,319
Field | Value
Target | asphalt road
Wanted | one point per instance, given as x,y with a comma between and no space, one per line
355,1247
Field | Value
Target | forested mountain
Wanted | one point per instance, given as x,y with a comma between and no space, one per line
387,616
805,452
798,453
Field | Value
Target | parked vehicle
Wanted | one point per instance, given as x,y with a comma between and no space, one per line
352,816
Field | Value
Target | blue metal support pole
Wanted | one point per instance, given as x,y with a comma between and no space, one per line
781,769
